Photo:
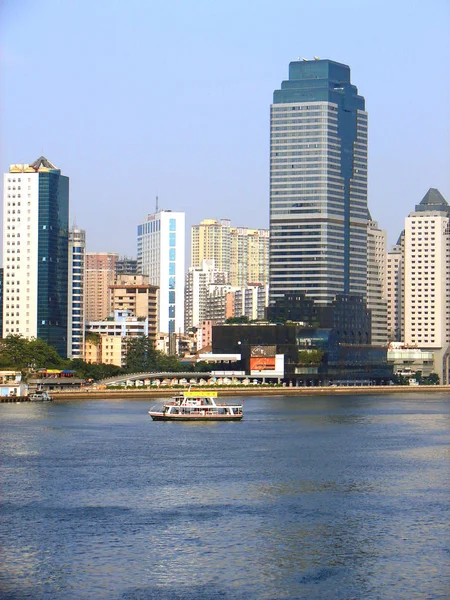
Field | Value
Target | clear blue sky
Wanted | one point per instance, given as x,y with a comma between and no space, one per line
137,98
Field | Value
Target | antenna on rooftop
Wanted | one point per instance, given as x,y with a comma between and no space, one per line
156,210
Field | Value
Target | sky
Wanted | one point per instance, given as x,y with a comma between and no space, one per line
170,98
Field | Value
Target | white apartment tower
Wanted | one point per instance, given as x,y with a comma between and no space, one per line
198,280
161,256
76,299
376,278
427,279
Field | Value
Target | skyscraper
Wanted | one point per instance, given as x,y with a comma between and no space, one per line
76,299
161,255
427,279
35,251
318,184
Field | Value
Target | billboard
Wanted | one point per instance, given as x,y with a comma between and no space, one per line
262,358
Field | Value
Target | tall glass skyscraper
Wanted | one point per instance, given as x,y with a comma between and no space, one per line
318,184
35,251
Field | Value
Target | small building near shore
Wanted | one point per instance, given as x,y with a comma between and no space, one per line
12,384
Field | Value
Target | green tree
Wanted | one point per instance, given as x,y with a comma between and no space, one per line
237,320
310,357
43,356
141,355
14,352
432,379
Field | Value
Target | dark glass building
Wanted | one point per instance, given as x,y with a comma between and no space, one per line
318,184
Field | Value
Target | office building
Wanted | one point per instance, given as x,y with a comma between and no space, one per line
161,256
35,252
376,281
100,276
77,266
427,279
241,252
318,184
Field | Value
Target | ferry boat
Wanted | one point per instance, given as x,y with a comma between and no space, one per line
197,405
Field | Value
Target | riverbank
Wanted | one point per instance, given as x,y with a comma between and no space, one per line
254,390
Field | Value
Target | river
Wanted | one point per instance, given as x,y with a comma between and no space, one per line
336,497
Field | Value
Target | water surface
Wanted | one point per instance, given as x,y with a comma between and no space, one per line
330,497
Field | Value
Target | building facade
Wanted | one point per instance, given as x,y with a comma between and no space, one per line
318,184
76,309
134,294
100,276
35,252
198,281
241,252
376,281
427,279
394,290
161,256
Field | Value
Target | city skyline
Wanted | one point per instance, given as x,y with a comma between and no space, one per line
192,107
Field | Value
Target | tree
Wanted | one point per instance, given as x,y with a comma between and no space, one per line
14,352
242,320
141,355
432,379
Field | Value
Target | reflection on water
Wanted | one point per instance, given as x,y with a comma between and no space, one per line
337,497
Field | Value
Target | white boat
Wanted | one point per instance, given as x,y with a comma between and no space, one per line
197,405
40,397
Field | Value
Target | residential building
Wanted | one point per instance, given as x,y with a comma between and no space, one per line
134,294
427,279
106,349
35,252
394,290
100,276
76,280
251,301
318,184
161,256
123,324
1,302
241,252
198,281
376,281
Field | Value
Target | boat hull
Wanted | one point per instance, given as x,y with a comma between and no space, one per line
163,417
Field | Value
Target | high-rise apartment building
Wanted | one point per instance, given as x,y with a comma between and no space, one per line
77,266
241,252
318,184
376,281
427,279
135,295
198,281
161,256
394,290
35,252
100,275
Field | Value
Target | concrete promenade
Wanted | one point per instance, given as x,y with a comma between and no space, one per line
251,390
